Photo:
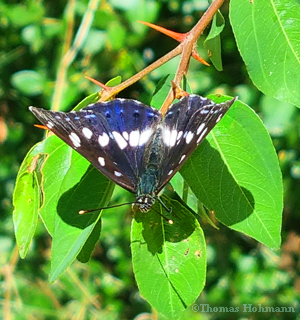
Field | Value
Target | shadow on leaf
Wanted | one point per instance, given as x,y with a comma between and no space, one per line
78,198
209,178
157,230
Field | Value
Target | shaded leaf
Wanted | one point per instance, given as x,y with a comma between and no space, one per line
29,82
267,34
169,260
213,41
235,173
27,198
70,185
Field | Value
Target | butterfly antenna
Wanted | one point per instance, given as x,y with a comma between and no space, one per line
102,208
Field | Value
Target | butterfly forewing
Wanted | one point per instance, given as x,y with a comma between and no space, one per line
111,135
185,126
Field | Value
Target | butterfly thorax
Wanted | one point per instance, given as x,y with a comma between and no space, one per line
146,191
148,183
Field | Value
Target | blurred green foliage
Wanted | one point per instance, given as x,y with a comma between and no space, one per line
34,37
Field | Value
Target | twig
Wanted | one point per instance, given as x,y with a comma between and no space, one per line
185,48
188,45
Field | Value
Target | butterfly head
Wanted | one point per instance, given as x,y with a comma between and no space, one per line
144,202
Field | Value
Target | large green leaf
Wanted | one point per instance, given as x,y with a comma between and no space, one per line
267,34
71,184
235,173
27,198
169,260
213,41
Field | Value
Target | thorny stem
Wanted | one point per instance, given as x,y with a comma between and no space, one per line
185,48
188,45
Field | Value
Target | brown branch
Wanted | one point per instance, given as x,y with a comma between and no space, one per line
116,89
185,48
188,45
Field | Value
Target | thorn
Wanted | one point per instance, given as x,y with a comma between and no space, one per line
175,35
196,56
177,91
98,83
41,126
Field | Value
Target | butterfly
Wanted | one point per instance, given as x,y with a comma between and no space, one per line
133,144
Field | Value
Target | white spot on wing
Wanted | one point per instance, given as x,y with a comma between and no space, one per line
170,172
173,138
202,135
219,118
87,133
204,111
166,136
134,138
179,135
145,136
189,137
103,139
182,158
120,140
200,128
101,161
117,174
75,139
49,125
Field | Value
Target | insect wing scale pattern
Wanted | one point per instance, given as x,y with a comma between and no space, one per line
132,144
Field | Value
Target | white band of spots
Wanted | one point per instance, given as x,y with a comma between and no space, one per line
75,139
103,139
202,135
101,161
189,137
134,138
87,133
120,140
49,125
182,158
145,136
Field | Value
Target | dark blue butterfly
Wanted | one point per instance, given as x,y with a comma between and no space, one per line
133,144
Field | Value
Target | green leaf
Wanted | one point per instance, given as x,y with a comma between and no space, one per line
161,91
116,35
235,173
188,196
94,42
88,248
169,260
213,41
267,34
92,98
114,81
277,115
27,198
29,82
71,184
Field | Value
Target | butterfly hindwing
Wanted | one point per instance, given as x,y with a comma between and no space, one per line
185,125
111,135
